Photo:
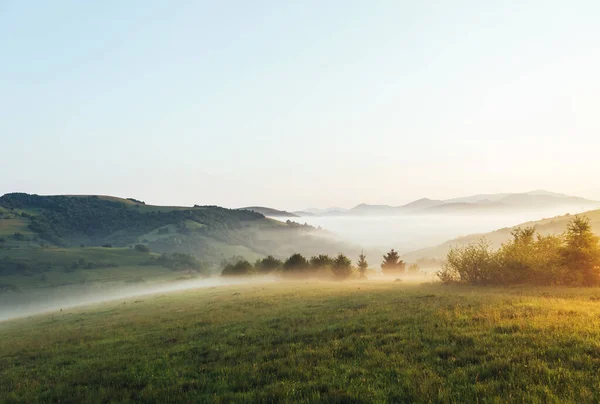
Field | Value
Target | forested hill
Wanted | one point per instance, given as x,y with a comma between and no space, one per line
209,232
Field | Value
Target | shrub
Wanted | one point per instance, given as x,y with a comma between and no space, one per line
581,253
242,267
321,261
268,264
342,267
529,258
470,264
296,264
142,248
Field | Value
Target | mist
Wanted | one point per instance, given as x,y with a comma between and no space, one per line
46,300
407,233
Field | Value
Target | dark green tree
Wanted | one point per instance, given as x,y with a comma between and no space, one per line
362,265
268,264
321,261
239,268
295,264
392,264
342,267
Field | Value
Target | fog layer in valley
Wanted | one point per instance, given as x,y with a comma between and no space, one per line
411,232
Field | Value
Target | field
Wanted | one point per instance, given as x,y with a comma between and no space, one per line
310,341
57,273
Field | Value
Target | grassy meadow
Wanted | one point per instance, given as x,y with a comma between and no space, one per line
371,341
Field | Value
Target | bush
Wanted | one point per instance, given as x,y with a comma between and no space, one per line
321,261
296,264
142,248
268,264
529,258
342,267
581,253
239,268
470,264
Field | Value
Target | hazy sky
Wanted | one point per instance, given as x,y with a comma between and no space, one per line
298,104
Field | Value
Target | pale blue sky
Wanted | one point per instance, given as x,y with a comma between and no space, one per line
291,104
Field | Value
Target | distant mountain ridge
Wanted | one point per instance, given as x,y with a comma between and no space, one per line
482,203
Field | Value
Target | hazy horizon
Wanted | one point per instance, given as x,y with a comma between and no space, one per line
324,208
299,105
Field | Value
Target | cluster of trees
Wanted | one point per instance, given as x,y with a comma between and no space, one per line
82,263
572,258
297,266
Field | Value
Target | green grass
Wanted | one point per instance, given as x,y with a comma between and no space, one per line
57,277
59,261
63,256
349,342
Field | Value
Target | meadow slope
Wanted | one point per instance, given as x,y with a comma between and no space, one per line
370,341
546,226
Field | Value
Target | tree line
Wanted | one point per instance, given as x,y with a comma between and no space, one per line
571,258
297,266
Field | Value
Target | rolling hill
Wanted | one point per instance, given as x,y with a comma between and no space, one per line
210,233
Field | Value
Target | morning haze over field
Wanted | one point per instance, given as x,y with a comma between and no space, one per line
334,201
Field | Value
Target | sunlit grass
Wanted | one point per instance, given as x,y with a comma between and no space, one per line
307,341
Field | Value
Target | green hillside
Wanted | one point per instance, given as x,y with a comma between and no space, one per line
42,238
555,225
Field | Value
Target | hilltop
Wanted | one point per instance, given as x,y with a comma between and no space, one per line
269,211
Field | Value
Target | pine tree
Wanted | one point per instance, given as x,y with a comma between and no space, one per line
392,264
362,265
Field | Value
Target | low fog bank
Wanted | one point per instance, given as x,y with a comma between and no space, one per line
407,233
45,300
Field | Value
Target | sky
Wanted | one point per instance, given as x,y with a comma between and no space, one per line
299,104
